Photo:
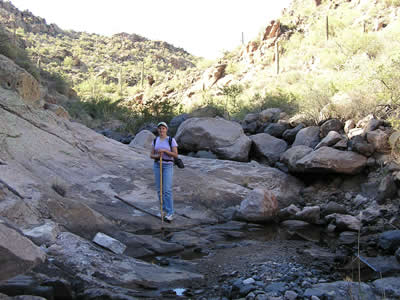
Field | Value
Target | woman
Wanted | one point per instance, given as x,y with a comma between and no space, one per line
162,148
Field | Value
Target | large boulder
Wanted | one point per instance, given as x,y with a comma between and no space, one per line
329,160
268,147
292,155
259,206
15,78
224,138
144,139
17,253
308,136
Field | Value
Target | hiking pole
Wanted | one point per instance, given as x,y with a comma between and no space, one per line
161,192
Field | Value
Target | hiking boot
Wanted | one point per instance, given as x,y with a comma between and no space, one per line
169,218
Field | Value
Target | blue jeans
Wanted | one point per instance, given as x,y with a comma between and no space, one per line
168,173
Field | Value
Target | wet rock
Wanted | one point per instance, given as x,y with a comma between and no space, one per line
21,297
340,290
25,285
95,266
389,286
295,224
389,240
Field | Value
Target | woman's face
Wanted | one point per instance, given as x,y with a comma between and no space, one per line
162,130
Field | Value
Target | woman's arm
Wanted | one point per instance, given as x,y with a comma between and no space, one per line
173,153
154,154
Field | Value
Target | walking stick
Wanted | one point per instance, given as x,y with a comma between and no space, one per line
161,192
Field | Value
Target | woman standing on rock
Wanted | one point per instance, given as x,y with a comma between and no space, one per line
167,148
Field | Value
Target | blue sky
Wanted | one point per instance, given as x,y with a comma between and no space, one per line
203,28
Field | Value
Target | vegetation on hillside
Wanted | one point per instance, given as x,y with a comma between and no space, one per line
349,72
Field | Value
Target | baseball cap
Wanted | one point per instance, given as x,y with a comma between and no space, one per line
162,124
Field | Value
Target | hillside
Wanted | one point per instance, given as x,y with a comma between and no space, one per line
86,66
339,57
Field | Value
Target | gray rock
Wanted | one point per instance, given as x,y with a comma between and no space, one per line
310,214
389,240
259,206
380,140
333,207
144,139
397,254
340,290
99,267
344,222
329,160
389,286
43,234
372,125
109,243
360,145
270,115
331,125
224,138
330,139
292,155
387,189
348,237
18,254
291,295
386,265
276,129
268,147
308,136
289,135
289,212
178,120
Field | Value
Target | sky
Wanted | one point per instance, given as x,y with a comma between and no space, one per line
204,28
